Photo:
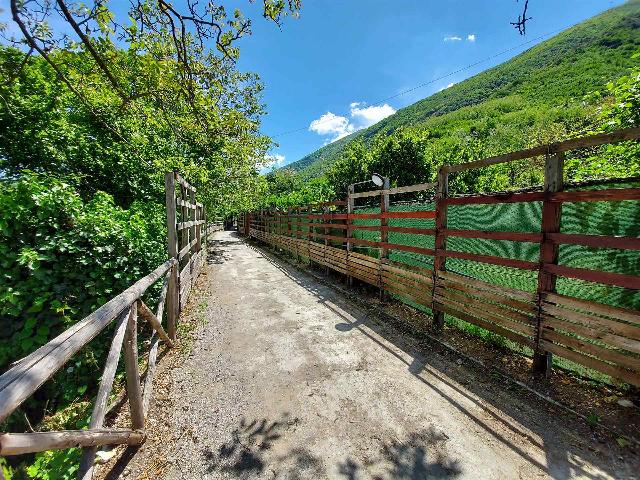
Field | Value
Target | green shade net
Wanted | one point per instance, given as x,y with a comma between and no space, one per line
620,218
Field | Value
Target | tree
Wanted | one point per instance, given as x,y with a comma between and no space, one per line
352,167
136,94
153,28
620,108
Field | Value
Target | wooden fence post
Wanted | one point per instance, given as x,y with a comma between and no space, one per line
290,230
106,384
274,229
551,216
205,228
439,260
350,207
184,233
192,216
311,230
199,216
384,233
263,225
173,303
327,231
134,391
308,233
298,233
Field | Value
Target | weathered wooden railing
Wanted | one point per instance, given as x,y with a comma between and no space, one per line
599,336
29,373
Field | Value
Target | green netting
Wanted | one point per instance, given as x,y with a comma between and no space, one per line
414,240
525,280
398,238
620,218
504,217
596,292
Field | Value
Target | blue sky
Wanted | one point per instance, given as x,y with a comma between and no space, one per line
340,57
332,71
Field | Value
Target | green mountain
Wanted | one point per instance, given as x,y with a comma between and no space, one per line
558,72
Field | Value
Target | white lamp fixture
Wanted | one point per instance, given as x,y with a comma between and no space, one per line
377,179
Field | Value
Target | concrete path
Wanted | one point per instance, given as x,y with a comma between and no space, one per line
289,379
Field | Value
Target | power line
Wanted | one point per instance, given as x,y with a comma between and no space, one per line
430,82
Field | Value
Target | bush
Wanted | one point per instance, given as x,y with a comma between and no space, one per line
61,258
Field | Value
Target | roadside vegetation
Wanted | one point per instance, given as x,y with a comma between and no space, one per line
581,81
413,154
92,115
89,128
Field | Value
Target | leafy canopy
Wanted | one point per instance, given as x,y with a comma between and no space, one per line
117,102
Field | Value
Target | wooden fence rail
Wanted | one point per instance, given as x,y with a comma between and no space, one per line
188,231
599,336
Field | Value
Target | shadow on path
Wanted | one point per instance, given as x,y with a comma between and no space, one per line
249,453
244,455
509,410
217,249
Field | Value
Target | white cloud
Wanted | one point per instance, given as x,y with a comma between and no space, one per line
366,116
273,160
455,38
331,124
362,116
448,86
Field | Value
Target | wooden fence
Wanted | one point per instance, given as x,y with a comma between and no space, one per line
186,236
596,335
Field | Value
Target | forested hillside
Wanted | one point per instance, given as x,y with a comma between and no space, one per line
534,89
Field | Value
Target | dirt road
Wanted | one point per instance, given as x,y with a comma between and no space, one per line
289,379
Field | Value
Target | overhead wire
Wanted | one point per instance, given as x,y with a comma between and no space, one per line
438,79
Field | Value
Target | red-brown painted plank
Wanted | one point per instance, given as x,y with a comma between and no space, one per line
495,198
360,241
512,236
338,226
416,231
356,216
505,262
419,214
364,227
608,278
412,230
598,241
408,248
606,195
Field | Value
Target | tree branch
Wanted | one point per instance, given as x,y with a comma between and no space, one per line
33,44
94,53
521,24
